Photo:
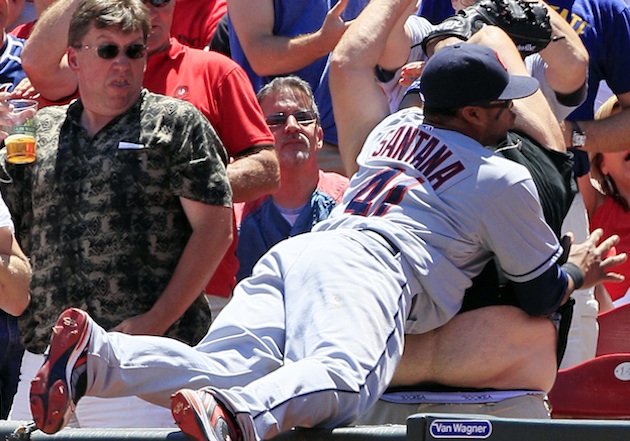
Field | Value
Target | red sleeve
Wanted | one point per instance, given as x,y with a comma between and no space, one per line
242,120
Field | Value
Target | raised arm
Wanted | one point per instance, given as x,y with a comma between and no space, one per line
44,55
270,54
359,103
398,45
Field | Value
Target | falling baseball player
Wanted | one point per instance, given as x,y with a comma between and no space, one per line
313,337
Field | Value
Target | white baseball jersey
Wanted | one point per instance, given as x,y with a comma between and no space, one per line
448,204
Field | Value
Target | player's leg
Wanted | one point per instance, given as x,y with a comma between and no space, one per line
346,301
84,358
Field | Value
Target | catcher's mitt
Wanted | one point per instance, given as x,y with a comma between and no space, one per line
526,22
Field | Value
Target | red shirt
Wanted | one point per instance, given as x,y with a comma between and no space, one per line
611,217
194,21
228,101
23,30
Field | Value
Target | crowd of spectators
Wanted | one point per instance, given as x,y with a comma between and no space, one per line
284,96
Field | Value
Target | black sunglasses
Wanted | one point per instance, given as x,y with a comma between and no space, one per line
109,51
304,118
157,3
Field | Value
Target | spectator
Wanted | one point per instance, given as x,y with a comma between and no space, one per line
127,210
15,273
307,194
338,300
278,37
11,74
214,84
194,21
608,206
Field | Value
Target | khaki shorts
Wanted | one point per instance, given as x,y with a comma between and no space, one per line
525,406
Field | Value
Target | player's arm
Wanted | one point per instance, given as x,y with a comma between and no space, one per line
270,54
584,269
210,238
15,275
359,103
533,114
44,55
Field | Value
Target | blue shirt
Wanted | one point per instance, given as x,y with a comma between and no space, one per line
264,226
10,63
293,18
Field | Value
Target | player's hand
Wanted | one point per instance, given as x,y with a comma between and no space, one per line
595,260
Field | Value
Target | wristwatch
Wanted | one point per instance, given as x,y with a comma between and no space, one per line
578,137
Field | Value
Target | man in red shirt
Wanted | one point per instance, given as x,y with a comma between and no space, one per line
195,21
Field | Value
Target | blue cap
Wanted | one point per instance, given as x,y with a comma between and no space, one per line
467,73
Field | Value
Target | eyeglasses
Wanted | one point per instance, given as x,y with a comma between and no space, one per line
109,51
303,117
157,3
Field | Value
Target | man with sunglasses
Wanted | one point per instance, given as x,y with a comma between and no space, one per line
127,210
213,83
307,194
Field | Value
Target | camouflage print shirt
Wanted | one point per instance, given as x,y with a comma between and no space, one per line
100,217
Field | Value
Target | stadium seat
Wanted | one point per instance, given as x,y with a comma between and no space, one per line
595,389
614,331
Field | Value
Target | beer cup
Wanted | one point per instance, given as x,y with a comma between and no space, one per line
20,143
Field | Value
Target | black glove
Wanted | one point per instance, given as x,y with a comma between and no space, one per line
527,23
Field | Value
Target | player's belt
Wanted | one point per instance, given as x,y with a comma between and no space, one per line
382,240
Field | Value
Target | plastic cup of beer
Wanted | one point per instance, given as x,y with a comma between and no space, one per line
20,143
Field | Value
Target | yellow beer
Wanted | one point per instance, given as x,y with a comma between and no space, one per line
20,148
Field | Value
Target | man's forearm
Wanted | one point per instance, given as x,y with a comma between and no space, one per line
254,175
604,135
201,257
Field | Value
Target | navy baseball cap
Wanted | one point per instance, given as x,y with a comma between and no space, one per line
467,73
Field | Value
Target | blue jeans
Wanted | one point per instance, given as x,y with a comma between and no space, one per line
11,351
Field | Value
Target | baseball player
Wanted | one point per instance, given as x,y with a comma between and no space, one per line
313,337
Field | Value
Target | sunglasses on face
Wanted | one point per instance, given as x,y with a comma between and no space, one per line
109,51
303,117
157,3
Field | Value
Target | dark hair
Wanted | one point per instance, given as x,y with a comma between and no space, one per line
289,82
126,15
